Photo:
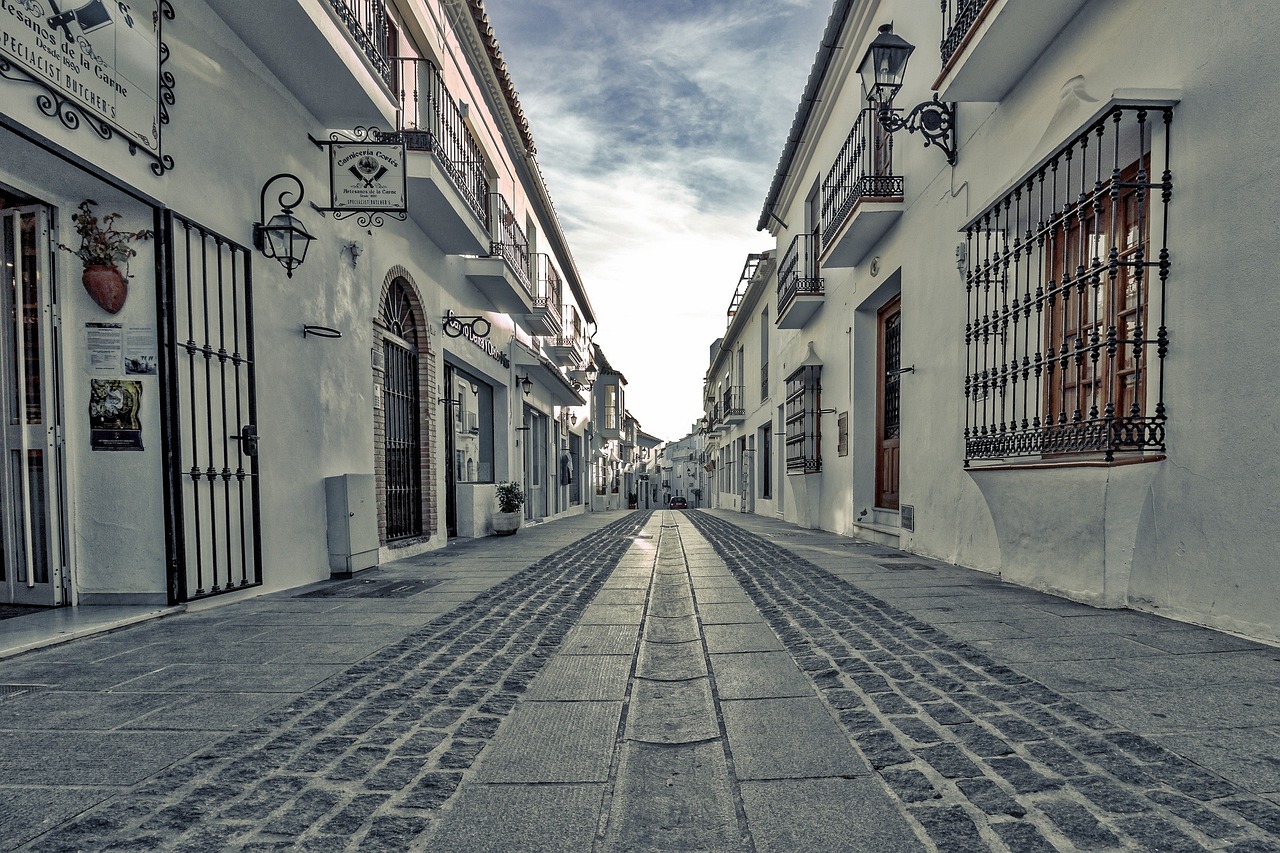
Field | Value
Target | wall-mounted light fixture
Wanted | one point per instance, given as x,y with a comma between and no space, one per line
353,249
525,383
283,237
882,69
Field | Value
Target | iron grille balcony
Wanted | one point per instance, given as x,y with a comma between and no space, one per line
862,169
366,21
430,120
547,297
1066,334
800,291
958,18
509,241
732,405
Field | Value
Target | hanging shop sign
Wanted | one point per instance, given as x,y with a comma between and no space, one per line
457,325
366,176
99,63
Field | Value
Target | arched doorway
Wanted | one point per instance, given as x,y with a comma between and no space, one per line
401,460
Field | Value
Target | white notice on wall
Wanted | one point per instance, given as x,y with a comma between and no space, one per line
104,348
140,351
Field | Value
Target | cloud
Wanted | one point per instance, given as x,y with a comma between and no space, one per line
658,126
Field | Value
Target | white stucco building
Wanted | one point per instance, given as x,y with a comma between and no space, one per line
242,424
1027,331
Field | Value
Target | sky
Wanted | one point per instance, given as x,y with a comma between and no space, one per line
659,125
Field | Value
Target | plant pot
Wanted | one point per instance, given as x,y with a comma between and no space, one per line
506,523
106,285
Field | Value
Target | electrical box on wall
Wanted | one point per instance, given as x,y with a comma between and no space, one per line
352,524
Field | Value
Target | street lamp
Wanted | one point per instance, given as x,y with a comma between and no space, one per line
882,68
283,237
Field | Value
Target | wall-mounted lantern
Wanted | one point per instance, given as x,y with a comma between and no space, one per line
526,384
283,237
882,69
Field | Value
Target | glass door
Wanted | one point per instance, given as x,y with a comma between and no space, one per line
31,562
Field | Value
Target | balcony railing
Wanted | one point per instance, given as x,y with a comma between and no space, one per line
798,272
431,121
863,169
732,404
958,18
366,21
509,241
548,293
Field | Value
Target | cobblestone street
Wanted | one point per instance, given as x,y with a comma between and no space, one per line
663,681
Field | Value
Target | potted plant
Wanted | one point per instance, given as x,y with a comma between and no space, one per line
102,249
506,520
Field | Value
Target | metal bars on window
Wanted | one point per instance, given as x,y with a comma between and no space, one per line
211,440
431,120
803,401
1065,286
862,169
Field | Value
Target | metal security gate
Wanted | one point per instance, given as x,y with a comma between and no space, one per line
402,443
211,437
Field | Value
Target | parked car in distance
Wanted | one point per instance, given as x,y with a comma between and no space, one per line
678,502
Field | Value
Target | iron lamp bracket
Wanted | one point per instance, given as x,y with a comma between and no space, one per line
934,120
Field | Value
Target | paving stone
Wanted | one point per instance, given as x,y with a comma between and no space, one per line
1211,823
433,790
1076,823
570,677
554,742
675,629
910,786
787,738
545,819
1155,834
948,760
678,712
759,675
950,827
1023,838
673,798
825,815
1024,779
990,797
756,637
671,661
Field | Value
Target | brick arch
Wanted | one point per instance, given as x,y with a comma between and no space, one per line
427,390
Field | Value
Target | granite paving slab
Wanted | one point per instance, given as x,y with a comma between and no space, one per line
728,614
825,815
612,614
554,742
758,675
673,798
601,640
672,712
753,637
581,677
671,661
533,818
788,739
674,629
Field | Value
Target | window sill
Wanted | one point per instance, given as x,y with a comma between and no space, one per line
1094,460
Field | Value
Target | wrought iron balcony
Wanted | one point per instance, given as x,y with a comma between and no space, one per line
569,347
329,54
732,405
366,23
800,288
988,45
548,289
861,197
452,202
504,274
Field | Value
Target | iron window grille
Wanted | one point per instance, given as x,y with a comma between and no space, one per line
402,439
1066,336
764,381
862,169
798,272
804,397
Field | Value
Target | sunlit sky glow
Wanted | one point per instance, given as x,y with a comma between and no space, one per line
659,125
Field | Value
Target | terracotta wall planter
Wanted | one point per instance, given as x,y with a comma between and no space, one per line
106,285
